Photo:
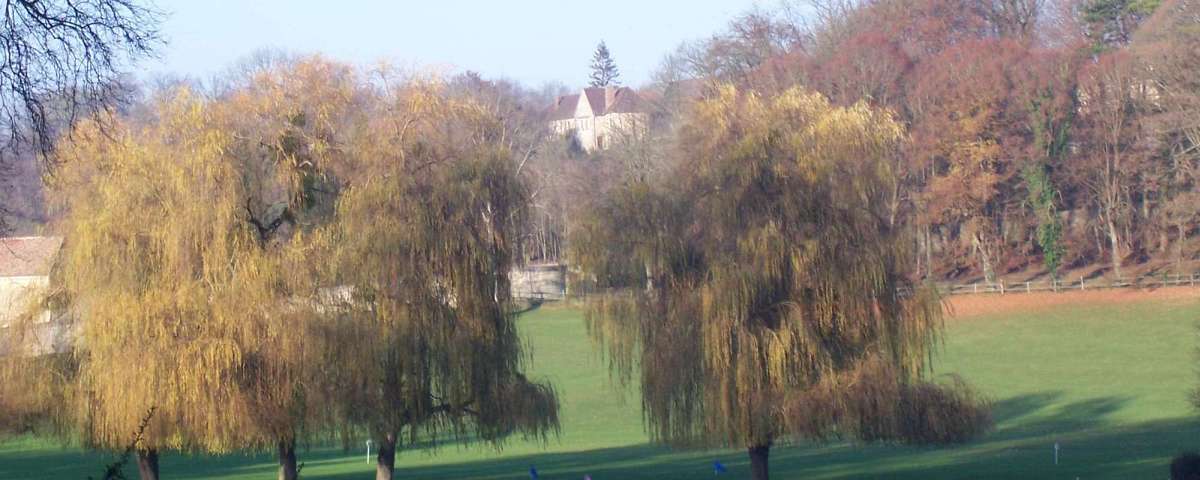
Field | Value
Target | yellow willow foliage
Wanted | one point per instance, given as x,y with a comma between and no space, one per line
304,252
34,390
866,403
179,307
422,246
290,122
34,395
765,268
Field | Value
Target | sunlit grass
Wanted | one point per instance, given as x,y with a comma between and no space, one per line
1109,383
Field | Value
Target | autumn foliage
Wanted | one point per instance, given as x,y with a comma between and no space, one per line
1014,162
303,255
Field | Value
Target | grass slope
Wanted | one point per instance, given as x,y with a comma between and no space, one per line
1109,383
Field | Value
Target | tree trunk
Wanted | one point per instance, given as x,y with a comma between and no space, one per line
287,460
148,464
758,461
544,230
649,278
1179,248
929,251
919,244
894,208
1115,241
385,461
985,258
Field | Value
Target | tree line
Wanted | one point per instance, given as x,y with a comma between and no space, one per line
310,252
1040,134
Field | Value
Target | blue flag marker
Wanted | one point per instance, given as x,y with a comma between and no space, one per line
718,468
587,477
532,473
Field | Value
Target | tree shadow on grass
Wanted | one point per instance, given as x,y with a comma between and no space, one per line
1092,446
1045,413
1022,446
528,305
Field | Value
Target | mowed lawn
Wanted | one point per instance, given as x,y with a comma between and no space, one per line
1108,382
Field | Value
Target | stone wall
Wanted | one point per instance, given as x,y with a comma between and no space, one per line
539,281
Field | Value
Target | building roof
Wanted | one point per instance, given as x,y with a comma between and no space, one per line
27,256
596,100
564,107
625,100
601,100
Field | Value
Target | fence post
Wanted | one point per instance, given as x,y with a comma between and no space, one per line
1081,287
1002,287
1192,277
975,287
1054,284
1027,290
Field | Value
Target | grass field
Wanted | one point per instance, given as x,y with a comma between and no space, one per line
1107,381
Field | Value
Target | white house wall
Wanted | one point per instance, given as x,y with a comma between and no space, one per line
47,334
16,293
589,130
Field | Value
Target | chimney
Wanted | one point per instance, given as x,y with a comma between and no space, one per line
610,94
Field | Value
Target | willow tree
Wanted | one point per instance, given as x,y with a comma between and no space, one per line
288,119
34,398
761,289
151,232
180,306
421,251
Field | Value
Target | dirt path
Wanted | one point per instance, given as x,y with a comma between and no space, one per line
966,306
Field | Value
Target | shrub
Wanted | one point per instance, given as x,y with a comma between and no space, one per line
873,404
939,414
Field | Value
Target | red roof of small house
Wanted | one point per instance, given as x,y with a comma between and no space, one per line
27,256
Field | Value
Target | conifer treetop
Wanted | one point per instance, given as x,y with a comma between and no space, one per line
604,70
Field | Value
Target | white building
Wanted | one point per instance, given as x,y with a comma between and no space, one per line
598,116
24,274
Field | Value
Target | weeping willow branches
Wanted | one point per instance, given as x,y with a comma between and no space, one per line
169,286
306,253
764,273
424,242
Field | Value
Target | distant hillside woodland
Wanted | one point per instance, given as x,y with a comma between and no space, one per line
1042,136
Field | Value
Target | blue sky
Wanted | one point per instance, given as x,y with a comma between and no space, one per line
533,41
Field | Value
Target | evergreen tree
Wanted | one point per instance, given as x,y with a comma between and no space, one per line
604,70
1111,23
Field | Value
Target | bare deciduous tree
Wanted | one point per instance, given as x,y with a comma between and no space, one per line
61,58
64,57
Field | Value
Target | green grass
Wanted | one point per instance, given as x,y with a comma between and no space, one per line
1110,384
